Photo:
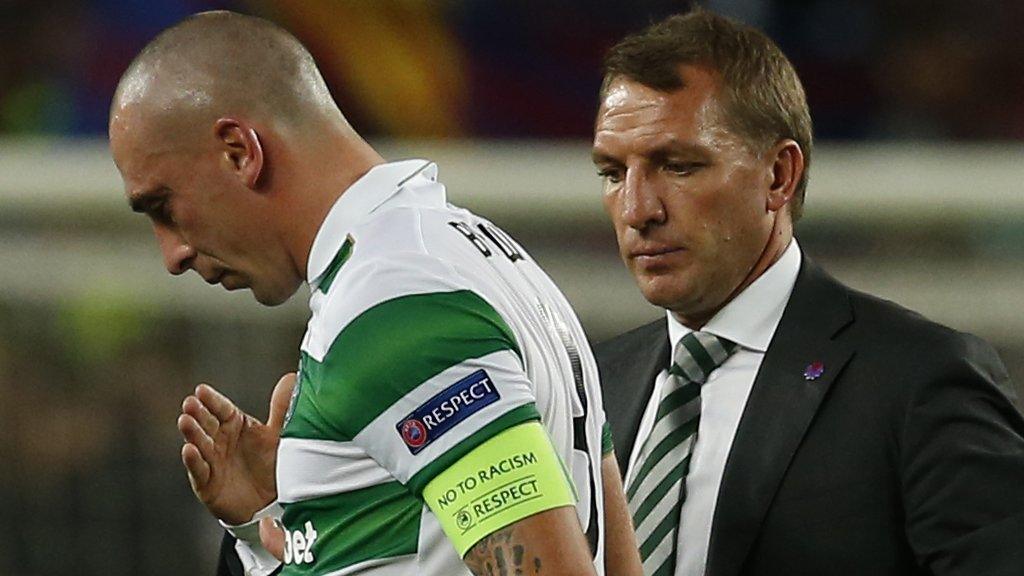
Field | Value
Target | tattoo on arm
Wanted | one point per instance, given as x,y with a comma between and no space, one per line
501,554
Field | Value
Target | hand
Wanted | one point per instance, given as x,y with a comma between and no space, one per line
231,456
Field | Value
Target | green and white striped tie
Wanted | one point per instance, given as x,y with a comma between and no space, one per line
658,489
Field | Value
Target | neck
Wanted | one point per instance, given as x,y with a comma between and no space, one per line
322,171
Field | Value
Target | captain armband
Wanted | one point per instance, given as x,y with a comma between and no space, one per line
515,474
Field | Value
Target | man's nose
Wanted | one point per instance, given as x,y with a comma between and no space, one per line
641,204
178,254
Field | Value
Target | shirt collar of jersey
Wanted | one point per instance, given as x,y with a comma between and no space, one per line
360,200
753,315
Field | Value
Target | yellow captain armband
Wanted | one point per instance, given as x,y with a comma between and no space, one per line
515,474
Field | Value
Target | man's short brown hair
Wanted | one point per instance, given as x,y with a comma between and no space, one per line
763,102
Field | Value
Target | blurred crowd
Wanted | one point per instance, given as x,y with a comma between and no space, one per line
874,69
89,393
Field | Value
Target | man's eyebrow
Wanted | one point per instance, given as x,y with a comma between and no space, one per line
143,202
676,151
660,152
601,158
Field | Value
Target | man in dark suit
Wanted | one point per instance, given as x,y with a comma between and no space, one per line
777,422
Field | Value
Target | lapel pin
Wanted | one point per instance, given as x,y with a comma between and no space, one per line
814,371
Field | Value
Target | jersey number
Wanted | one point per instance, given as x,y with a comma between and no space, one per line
497,237
579,424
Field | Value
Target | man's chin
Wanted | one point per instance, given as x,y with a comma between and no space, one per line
668,292
690,306
272,297
662,290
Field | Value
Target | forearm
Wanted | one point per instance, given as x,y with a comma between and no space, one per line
621,553
550,542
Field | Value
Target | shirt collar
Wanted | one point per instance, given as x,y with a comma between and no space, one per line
751,318
358,201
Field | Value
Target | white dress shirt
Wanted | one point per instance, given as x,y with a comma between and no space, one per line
749,320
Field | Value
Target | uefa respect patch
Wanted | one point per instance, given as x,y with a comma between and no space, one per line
446,409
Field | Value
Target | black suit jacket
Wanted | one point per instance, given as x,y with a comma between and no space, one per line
228,563
906,456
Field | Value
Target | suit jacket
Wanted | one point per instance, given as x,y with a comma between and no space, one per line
906,456
228,563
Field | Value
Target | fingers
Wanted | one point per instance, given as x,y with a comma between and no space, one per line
280,400
218,404
272,537
194,434
195,408
198,469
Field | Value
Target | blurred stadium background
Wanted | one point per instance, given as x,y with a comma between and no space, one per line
917,194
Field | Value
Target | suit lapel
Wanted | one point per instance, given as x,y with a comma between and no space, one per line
781,406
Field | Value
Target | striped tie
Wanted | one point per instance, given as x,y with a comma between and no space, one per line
658,489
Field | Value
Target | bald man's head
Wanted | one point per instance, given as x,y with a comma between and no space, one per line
223,63
226,136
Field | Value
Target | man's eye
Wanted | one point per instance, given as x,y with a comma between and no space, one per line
683,168
610,175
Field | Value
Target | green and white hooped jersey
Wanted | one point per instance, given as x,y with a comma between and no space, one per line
432,331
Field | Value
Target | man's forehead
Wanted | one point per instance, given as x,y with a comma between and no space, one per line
699,85
624,95
136,145
135,87
621,93
137,132
697,99
135,175
675,126
126,139
129,123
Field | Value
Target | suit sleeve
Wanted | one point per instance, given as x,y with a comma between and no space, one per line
963,466
228,563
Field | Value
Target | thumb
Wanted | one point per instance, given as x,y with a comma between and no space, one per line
272,537
280,400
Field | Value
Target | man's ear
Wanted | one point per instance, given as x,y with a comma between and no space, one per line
242,150
787,167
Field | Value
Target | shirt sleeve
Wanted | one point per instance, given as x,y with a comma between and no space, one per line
420,379
607,447
254,559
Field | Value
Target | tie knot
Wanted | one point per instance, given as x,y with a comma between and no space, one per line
698,353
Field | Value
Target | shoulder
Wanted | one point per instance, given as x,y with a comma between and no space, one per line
387,329
410,244
892,327
639,336
389,259
400,302
879,328
899,345
375,276
426,228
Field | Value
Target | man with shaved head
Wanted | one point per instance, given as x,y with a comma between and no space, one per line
198,90
445,418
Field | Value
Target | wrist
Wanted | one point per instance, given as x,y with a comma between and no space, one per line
250,531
